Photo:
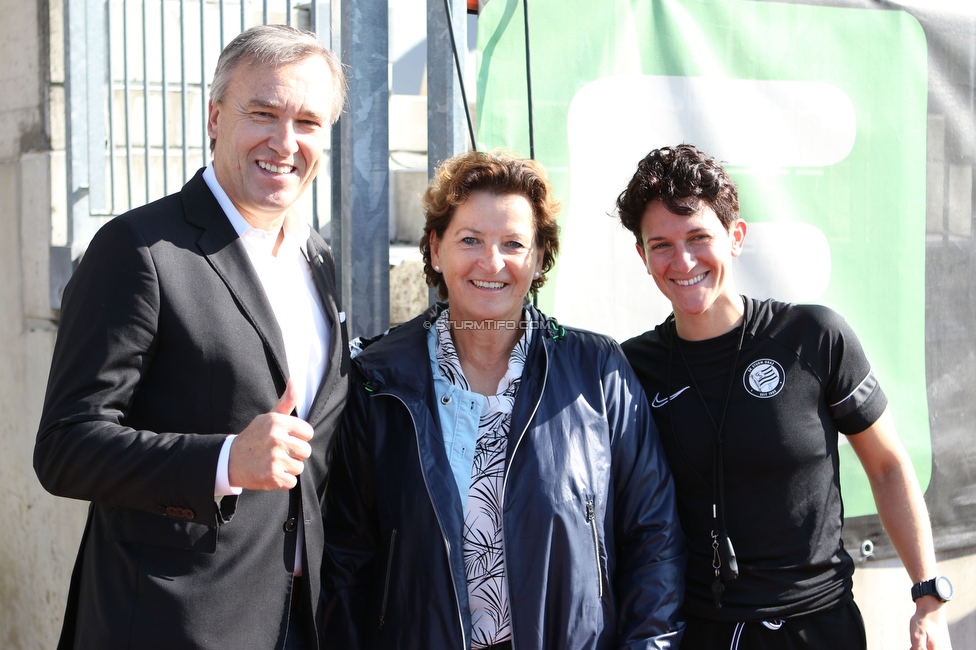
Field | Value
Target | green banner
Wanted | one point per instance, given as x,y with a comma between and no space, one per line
818,112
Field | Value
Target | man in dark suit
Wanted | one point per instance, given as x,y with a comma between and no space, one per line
198,376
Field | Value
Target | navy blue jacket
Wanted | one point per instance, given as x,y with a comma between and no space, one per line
593,552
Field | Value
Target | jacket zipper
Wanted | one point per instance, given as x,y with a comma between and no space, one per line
386,584
591,520
447,542
535,409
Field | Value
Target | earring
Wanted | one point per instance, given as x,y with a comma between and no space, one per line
537,274
437,269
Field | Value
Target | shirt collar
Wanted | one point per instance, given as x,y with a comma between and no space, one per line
296,230
448,363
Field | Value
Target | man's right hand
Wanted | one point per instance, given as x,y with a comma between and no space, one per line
270,453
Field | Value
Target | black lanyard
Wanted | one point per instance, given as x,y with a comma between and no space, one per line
722,548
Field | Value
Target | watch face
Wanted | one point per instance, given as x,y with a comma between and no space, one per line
943,588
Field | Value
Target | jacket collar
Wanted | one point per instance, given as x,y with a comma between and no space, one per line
398,360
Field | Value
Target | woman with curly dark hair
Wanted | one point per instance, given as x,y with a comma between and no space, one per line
750,397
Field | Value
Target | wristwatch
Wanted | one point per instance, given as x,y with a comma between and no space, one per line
939,586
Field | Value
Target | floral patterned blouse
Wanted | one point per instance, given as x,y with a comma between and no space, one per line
482,534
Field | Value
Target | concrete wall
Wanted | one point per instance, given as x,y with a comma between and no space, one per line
39,535
882,591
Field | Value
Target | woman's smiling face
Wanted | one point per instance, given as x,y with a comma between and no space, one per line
488,256
690,258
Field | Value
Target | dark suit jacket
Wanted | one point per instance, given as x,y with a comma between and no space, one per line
167,342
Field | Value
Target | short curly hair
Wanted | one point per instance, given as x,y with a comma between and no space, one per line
673,175
500,173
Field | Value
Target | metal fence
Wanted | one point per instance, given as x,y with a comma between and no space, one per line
137,76
137,81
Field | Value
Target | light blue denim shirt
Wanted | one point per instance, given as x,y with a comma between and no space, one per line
460,413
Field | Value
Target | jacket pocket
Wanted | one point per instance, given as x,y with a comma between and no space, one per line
139,527
591,520
386,580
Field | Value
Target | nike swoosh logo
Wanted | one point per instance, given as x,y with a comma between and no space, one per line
657,402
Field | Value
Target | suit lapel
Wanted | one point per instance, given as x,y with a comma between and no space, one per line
225,252
323,272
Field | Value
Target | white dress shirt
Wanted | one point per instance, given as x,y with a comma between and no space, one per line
297,305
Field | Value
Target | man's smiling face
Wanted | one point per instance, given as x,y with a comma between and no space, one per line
270,129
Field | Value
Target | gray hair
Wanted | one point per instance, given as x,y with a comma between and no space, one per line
274,45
